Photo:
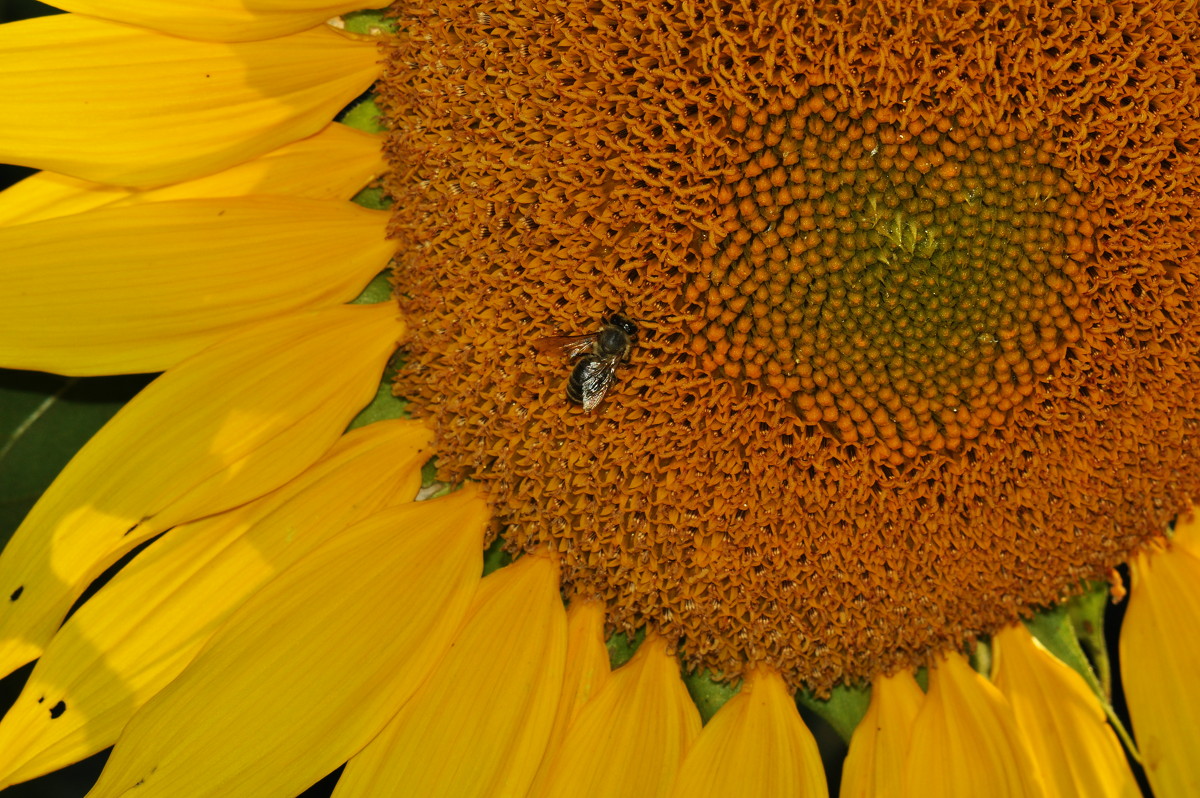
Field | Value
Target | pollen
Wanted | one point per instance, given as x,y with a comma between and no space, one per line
916,299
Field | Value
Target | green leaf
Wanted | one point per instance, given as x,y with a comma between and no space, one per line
373,198
383,407
1086,612
44,420
843,709
363,115
495,557
376,291
429,472
622,647
1054,630
369,22
707,693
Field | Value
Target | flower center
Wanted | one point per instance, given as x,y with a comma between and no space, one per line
908,357
902,286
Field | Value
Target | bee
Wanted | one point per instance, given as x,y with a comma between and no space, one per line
596,357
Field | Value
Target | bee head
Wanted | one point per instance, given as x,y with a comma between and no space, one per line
624,325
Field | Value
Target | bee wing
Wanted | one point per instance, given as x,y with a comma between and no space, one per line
570,345
595,379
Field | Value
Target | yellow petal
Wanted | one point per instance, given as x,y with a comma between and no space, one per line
218,20
1160,660
333,164
587,662
631,737
1076,750
755,745
965,740
224,427
479,725
138,289
312,667
124,105
49,195
140,630
879,747
587,670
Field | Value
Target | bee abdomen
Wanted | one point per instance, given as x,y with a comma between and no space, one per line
581,376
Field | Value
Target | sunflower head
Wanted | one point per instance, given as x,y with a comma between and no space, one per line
816,342
906,368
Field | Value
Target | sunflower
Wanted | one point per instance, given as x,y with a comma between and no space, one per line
886,327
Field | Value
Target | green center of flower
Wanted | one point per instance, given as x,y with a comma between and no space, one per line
905,287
